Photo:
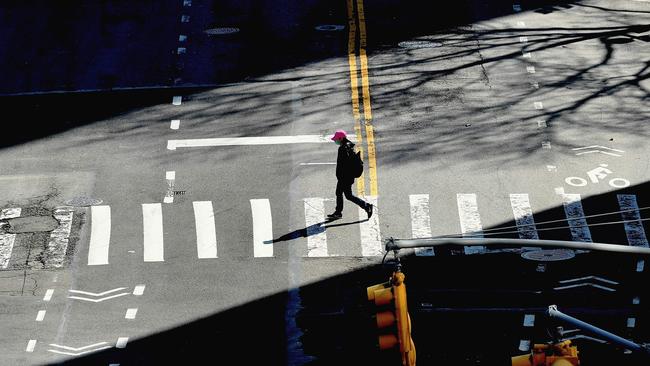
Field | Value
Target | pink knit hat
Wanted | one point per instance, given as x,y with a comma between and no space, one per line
339,135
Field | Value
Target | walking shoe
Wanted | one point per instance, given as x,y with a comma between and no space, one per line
369,209
335,215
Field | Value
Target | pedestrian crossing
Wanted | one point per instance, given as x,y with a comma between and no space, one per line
370,243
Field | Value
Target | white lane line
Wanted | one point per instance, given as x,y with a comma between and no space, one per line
631,322
182,38
152,222
48,295
633,226
97,300
523,39
420,221
534,84
138,290
131,313
187,2
40,316
177,100
58,244
575,215
530,69
175,124
100,235
539,105
30,345
262,228
121,342
7,240
529,320
206,234
181,50
314,218
170,176
470,220
244,141
317,163
636,300
185,18
527,55
524,345
521,24
546,144
370,237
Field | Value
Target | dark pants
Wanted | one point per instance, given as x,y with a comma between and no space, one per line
345,188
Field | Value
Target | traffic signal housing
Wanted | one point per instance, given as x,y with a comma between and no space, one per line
392,317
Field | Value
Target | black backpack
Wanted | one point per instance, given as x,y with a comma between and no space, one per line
356,164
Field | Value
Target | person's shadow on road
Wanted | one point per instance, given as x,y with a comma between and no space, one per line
311,230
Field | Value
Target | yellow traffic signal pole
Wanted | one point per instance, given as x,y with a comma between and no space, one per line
406,345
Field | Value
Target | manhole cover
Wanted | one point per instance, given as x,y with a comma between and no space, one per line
223,30
31,224
419,44
548,255
330,27
83,201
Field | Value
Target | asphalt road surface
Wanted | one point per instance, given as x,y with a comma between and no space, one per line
166,172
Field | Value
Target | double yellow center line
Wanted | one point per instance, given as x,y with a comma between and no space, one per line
356,20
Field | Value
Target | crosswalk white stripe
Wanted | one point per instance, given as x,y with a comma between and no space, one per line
7,240
420,221
470,220
523,214
58,244
633,226
316,236
262,228
100,235
152,222
206,234
370,236
575,215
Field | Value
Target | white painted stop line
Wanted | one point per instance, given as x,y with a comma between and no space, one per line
100,235
259,140
206,235
152,221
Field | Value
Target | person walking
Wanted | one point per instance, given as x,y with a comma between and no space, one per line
345,177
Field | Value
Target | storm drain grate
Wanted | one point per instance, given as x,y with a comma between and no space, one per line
83,201
548,255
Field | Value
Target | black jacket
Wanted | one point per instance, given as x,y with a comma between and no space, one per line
343,169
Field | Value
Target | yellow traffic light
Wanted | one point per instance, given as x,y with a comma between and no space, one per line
391,297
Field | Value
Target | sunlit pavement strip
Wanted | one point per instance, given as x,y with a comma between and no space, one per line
100,235
243,141
7,240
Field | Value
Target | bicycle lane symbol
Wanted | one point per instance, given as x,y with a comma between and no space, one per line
595,176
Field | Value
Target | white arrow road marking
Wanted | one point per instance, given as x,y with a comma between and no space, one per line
590,278
78,351
99,294
598,149
583,285
97,300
